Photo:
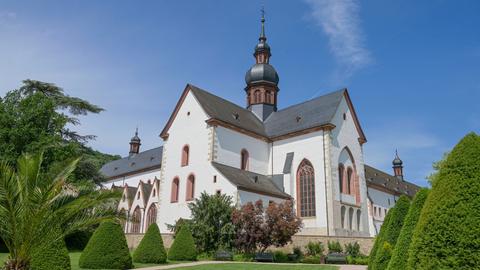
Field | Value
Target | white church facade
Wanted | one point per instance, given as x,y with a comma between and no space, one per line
311,153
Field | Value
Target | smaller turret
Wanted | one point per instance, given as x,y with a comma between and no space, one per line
135,144
398,166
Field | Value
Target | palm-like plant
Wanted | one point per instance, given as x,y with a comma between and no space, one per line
33,205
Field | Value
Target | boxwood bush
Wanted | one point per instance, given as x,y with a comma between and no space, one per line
447,233
107,249
389,232
53,256
183,247
383,256
400,252
151,249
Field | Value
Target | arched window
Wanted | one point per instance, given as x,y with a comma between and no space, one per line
256,96
359,215
268,97
190,187
185,155
306,189
136,219
342,216
350,218
244,160
175,185
341,174
151,215
349,180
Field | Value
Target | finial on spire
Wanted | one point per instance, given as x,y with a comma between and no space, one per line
136,131
262,33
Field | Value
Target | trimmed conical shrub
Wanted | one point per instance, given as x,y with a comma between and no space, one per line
53,256
448,230
183,247
389,232
383,256
107,249
400,253
151,248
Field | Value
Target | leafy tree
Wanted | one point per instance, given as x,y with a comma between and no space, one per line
183,247
211,225
446,236
436,167
107,249
32,201
151,249
51,256
256,227
400,253
36,118
392,225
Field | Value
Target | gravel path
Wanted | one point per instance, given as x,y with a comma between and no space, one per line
172,266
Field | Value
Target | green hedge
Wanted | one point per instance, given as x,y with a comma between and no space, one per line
77,241
447,233
400,252
107,248
389,232
53,256
383,256
151,249
183,247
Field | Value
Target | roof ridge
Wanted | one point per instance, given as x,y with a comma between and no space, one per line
393,176
312,99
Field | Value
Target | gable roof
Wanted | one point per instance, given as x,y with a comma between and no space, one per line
146,190
250,181
130,192
149,159
314,113
380,179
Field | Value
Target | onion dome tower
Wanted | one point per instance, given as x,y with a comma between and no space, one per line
398,166
135,144
262,79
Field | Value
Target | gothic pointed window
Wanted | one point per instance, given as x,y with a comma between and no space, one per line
341,173
349,180
136,220
190,188
185,155
244,160
306,189
151,215
174,195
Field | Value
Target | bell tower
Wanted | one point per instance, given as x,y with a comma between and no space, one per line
262,79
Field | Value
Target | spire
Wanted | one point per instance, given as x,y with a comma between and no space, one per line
262,33
135,144
398,166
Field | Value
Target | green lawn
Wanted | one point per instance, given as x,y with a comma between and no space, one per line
251,266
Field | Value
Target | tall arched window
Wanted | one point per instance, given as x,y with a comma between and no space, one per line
350,218
136,219
257,96
342,216
185,155
306,189
349,180
341,174
151,215
268,97
359,215
190,187
244,160
175,186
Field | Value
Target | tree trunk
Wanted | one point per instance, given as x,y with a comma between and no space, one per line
16,264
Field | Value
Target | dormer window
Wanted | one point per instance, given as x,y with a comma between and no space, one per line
244,160
185,155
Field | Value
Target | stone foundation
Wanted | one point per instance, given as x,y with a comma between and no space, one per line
366,243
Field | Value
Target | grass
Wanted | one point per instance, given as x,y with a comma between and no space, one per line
254,266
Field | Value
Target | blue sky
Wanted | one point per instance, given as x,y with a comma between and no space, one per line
412,67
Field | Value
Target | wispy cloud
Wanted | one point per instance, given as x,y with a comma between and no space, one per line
340,21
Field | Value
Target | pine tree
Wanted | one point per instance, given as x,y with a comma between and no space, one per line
107,249
151,249
400,253
447,233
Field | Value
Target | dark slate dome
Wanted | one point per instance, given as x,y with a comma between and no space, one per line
261,73
397,161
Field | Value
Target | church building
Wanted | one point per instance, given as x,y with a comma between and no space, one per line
311,153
